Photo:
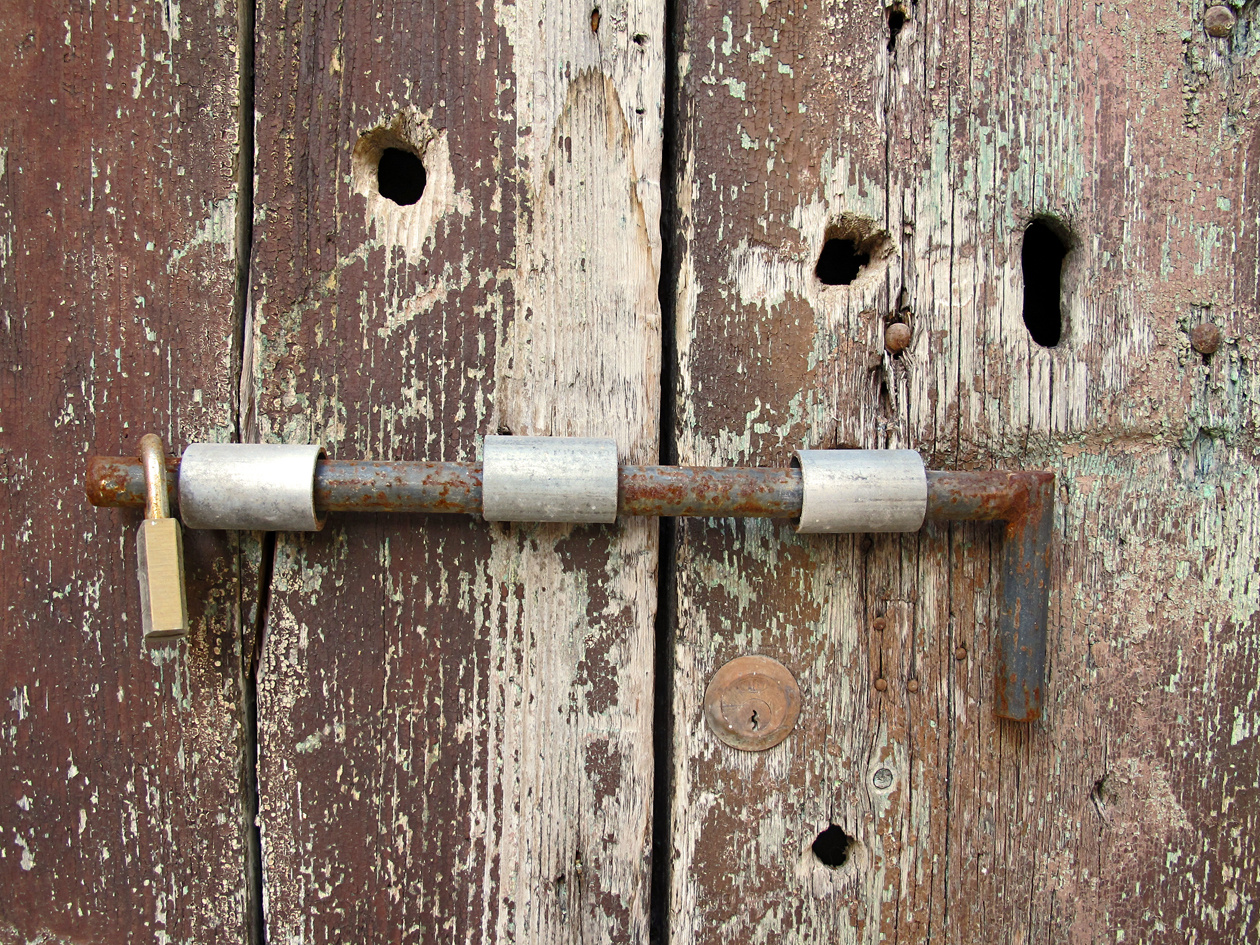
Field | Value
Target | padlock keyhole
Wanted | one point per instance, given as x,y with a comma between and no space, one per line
754,721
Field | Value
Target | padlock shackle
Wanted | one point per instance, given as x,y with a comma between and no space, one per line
157,501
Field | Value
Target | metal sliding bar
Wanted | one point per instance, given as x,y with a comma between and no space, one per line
1022,500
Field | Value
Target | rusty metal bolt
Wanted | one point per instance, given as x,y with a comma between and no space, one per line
913,685
1219,21
960,653
881,684
879,623
1205,338
752,703
897,337
882,779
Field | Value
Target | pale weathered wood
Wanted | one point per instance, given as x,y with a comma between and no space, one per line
455,719
1130,811
120,813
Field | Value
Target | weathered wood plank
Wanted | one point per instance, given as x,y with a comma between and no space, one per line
120,814
1134,132
455,719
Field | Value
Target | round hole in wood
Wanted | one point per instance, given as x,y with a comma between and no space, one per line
832,847
400,176
852,248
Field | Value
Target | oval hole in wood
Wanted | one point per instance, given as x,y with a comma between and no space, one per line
400,176
1046,246
896,20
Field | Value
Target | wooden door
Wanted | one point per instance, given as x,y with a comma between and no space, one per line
929,137
455,718
394,228
121,813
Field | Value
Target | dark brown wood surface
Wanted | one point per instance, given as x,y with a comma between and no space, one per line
455,718
1130,810
120,813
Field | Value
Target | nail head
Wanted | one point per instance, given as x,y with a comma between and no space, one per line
897,337
881,684
1219,21
1205,338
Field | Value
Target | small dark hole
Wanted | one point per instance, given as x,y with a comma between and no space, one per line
595,20
840,262
640,39
400,176
832,847
896,20
1043,254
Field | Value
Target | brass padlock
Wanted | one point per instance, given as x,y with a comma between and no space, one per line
160,550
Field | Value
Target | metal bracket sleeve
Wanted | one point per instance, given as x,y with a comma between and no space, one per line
549,479
853,491
250,486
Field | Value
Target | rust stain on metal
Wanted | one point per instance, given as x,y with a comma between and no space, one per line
709,491
349,486
118,481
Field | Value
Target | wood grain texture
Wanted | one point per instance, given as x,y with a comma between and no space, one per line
120,815
1130,811
455,718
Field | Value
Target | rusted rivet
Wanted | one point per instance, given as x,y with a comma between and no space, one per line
913,685
1219,21
752,703
1205,338
879,623
881,684
882,779
897,337
960,653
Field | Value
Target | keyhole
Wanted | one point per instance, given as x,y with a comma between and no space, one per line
1044,250
400,176
754,721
